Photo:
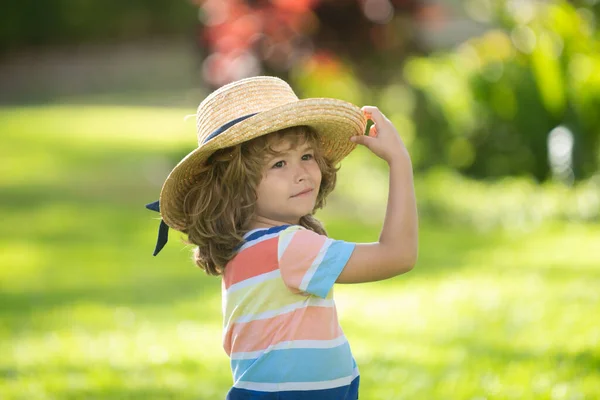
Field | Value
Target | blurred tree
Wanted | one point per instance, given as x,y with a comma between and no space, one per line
242,38
485,108
29,23
488,107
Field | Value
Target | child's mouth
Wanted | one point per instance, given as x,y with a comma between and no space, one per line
303,193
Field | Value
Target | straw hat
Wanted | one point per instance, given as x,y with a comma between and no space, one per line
249,108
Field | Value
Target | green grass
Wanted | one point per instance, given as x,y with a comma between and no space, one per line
88,313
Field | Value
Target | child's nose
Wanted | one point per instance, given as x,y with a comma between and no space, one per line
301,173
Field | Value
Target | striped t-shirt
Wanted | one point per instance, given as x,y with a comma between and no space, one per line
281,328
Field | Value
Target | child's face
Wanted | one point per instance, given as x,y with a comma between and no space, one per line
289,186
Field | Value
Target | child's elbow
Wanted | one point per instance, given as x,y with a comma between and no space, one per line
410,264
399,259
405,262
406,266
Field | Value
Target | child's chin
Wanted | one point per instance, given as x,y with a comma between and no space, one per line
301,214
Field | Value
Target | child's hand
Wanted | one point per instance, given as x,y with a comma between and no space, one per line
383,138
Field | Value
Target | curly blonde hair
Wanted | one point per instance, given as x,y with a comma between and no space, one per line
220,207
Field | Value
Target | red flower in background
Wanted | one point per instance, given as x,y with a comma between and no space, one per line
245,38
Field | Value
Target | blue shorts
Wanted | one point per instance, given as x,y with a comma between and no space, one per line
348,392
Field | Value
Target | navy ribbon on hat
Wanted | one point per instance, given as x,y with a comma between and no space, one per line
163,228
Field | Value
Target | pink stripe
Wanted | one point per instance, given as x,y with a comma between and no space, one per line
253,261
310,323
299,256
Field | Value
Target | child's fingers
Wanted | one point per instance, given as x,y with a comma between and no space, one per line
363,140
373,131
373,113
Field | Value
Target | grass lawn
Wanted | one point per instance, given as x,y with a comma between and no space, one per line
88,313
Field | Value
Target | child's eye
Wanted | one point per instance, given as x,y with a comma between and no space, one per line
279,164
307,157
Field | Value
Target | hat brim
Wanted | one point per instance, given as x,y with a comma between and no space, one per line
334,120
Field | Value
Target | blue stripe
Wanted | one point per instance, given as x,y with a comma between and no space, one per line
348,392
296,365
259,233
330,268
263,232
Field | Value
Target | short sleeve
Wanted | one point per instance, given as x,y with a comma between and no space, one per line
311,263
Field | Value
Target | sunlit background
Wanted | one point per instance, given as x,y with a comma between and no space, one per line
497,101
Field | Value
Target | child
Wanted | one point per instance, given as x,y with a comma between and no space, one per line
246,196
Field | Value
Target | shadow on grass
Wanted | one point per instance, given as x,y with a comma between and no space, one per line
172,380
136,394
159,290
78,194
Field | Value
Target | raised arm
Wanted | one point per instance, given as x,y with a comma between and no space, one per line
396,251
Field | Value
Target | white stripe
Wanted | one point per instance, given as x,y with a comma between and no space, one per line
285,239
310,301
291,344
254,280
258,240
313,268
275,387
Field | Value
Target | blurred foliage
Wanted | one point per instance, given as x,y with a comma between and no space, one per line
250,37
487,107
36,23
484,108
511,202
